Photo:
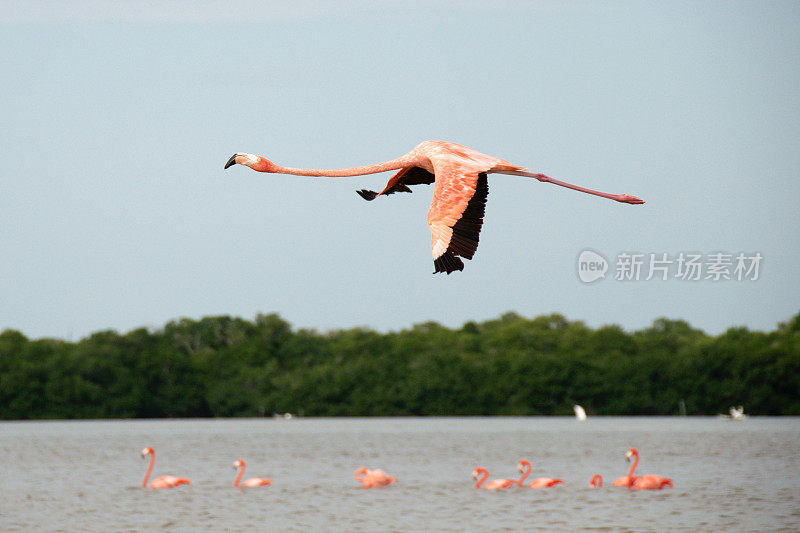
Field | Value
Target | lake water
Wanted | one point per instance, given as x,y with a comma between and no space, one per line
86,475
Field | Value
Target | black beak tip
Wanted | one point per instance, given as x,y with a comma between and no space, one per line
231,161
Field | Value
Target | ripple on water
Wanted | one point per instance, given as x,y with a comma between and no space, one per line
95,471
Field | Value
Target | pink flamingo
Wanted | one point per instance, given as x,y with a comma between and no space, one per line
251,482
621,481
596,481
494,484
459,175
373,478
648,482
162,482
540,482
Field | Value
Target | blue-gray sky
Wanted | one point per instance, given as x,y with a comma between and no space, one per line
117,119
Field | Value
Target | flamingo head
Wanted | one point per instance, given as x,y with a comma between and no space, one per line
147,451
522,464
628,199
630,453
477,472
238,464
256,162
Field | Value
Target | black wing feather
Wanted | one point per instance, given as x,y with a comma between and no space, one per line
400,182
466,230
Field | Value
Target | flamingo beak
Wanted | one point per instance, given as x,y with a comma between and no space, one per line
231,161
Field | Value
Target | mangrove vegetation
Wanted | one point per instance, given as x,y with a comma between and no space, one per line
223,367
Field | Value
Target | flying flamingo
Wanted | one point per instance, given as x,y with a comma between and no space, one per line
373,478
540,482
253,481
459,175
494,484
649,482
162,482
596,482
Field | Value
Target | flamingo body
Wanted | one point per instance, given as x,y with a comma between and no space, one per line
168,482
544,482
524,467
480,475
373,478
651,482
647,482
459,175
256,482
251,482
161,482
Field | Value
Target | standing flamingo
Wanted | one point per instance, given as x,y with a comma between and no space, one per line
251,482
596,481
649,482
459,175
540,482
373,478
494,484
162,482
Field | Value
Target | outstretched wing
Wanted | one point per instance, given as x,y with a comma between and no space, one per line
456,216
400,182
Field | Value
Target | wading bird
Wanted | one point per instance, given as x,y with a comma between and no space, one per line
251,482
649,482
621,482
459,175
162,482
540,482
494,484
373,478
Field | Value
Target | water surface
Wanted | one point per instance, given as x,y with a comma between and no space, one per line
86,475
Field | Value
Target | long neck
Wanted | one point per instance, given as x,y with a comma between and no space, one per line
525,472
633,467
597,481
394,164
238,476
482,475
149,469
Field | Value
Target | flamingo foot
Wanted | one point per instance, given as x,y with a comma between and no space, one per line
628,199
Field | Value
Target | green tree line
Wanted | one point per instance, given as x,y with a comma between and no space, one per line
222,366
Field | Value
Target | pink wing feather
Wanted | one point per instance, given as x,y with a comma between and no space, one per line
459,200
